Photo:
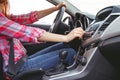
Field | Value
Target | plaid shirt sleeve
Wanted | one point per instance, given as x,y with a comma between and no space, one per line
23,33
25,18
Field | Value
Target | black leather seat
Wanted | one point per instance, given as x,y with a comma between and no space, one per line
33,74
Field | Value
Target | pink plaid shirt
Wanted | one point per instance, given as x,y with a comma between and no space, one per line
10,29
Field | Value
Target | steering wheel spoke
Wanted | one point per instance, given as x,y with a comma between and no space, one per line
57,20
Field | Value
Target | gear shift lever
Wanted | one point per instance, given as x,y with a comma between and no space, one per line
61,67
62,55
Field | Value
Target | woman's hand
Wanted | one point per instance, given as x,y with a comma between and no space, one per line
45,12
61,5
75,33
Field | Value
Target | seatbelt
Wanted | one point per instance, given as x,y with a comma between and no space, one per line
13,68
2,76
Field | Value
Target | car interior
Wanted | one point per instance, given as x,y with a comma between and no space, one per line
98,51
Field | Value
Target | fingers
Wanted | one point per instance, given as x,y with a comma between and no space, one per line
75,33
78,32
61,5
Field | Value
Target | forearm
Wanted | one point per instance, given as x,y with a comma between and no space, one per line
46,12
50,37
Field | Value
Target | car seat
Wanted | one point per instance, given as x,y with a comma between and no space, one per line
33,74
13,69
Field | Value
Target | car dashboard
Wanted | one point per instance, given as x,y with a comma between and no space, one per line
101,50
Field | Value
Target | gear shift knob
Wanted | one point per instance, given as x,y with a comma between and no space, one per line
61,66
62,55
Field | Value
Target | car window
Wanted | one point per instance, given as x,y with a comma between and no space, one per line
25,6
93,6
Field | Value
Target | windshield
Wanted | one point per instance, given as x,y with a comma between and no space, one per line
93,6
89,6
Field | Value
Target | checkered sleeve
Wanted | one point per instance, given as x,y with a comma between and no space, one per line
23,33
28,18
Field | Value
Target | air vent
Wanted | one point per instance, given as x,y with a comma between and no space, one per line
107,22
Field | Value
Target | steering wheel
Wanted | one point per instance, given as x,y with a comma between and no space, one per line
57,20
